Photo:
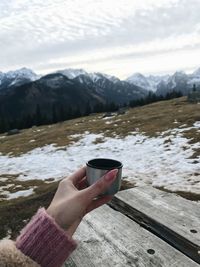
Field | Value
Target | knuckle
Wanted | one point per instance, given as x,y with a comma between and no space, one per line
61,183
64,182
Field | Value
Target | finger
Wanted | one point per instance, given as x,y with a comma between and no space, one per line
98,202
78,175
79,182
82,184
101,185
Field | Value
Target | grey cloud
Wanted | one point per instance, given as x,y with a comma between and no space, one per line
115,59
36,32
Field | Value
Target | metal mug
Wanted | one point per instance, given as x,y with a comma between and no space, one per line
98,167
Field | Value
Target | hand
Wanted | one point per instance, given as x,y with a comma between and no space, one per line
73,199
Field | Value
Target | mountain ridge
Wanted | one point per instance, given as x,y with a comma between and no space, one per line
159,84
17,78
56,96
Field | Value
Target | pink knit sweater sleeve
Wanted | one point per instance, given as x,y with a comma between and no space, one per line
44,241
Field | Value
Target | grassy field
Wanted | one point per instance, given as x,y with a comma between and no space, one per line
151,119
15,213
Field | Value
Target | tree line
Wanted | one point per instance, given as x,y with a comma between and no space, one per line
59,113
152,97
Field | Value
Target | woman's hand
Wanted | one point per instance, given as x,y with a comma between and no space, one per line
74,199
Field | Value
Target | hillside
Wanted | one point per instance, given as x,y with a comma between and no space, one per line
55,95
157,143
28,99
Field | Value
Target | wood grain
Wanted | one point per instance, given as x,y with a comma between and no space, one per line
108,238
171,217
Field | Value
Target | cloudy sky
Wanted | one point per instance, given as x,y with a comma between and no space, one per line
117,37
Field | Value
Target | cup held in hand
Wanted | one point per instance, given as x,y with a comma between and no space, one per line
96,168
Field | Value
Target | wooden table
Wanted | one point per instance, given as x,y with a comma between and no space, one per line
141,227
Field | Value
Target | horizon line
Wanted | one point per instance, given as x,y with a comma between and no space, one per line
146,74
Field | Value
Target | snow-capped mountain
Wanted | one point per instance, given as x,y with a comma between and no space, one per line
178,78
179,81
111,87
194,78
155,83
1,77
196,72
149,83
72,73
55,94
94,76
22,73
142,81
17,77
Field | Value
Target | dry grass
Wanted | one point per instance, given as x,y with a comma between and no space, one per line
12,185
150,119
16,212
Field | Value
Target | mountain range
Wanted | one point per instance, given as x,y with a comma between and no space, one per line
179,81
26,96
22,92
16,78
157,84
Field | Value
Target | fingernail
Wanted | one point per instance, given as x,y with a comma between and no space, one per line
110,176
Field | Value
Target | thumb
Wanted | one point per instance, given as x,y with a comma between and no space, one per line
100,186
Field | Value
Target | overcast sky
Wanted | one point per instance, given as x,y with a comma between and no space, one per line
117,37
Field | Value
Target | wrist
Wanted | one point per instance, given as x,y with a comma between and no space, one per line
56,215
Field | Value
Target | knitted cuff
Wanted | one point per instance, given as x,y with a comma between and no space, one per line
44,241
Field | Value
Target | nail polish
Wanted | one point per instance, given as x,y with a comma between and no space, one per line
111,175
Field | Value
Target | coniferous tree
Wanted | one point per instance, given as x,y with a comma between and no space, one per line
76,113
99,107
54,114
88,109
38,116
5,125
61,115
29,122
69,114
152,97
112,107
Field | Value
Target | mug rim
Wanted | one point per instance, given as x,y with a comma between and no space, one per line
119,165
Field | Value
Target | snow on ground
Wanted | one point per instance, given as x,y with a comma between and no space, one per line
160,161
3,179
20,193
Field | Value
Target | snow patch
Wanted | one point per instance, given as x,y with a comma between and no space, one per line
23,193
162,161
3,179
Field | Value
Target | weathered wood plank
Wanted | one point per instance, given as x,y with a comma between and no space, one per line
171,217
107,238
